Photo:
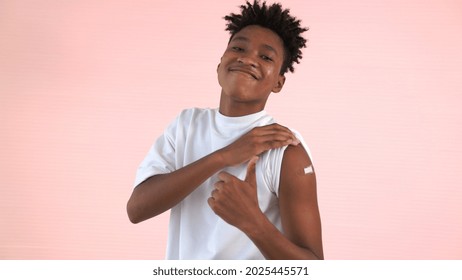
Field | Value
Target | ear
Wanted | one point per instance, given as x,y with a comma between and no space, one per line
279,84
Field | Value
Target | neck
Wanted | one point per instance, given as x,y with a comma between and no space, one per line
235,108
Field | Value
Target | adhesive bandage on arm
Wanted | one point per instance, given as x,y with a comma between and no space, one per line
309,170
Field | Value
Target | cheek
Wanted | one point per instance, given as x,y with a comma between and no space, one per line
272,75
220,70
222,65
220,74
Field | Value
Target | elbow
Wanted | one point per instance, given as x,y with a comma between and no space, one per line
132,213
133,219
319,256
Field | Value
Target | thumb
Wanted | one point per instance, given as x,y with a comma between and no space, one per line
251,177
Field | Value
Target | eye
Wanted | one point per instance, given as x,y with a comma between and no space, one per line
266,58
237,49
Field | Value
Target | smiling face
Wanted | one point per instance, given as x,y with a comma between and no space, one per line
250,70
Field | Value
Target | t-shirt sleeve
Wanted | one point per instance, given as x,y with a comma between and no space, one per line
161,156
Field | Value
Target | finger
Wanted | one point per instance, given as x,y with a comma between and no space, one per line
295,142
218,185
272,141
274,145
211,202
273,129
213,194
280,133
251,176
276,137
289,134
225,176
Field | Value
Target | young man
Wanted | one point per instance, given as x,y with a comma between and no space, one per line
239,186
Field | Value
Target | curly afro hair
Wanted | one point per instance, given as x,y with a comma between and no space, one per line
277,19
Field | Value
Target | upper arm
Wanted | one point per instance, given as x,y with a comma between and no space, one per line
298,201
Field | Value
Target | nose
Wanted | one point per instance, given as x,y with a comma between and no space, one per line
247,60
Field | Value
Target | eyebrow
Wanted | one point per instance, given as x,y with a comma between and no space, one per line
245,39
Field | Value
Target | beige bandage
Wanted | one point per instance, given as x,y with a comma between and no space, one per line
309,169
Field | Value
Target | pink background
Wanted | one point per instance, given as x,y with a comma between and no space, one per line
86,87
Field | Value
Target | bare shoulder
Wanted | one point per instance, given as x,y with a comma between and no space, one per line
297,173
296,161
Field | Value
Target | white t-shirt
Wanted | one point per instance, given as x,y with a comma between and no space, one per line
195,231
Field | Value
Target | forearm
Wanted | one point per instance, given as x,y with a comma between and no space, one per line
161,192
274,245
